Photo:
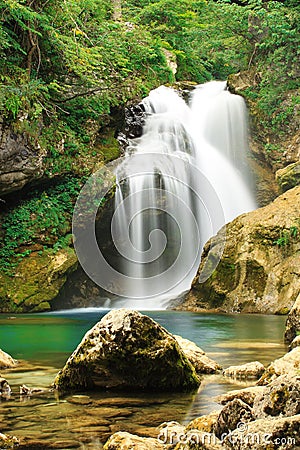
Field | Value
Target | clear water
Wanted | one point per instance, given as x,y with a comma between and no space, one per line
46,340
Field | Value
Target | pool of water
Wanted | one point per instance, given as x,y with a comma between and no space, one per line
85,420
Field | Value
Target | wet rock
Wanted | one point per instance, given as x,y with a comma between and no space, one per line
292,326
233,413
252,370
80,400
288,177
279,433
281,397
127,350
127,441
247,395
6,361
259,271
5,389
289,365
197,356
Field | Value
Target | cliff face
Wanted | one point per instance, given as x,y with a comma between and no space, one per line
260,268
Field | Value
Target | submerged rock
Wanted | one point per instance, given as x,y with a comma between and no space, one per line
6,361
259,270
250,370
292,327
128,350
197,357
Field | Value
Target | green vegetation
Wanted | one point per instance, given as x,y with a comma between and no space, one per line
287,236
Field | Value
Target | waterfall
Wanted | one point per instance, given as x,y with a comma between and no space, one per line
179,183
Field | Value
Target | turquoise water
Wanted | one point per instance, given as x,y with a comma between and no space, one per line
46,340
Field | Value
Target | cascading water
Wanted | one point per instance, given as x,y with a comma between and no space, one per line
164,210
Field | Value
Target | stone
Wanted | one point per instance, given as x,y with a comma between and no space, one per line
259,270
295,342
197,356
288,177
196,440
247,395
7,441
289,365
6,361
204,423
127,441
280,397
292,326
5,389
170,432
233,413
251,370
37,281
127,349
272,433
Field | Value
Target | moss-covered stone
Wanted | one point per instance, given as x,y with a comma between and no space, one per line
37,280
128,350
288,177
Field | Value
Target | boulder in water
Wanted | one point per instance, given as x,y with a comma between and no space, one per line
249,370
289,365
6,361
197,357
128,350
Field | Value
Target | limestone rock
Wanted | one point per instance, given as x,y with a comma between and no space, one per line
250,370
199,440
127,350
170,432
37,281
247,395
20,160
204,423
127,441
233,413
5,389
293,321
295,342
7,441
289,176
281,397
259,271
289,365
6,361
280,434
197,356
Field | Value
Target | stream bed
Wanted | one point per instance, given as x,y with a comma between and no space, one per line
43,342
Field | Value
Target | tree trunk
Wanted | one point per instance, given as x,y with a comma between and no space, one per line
117,9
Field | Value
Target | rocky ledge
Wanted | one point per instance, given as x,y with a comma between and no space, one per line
259,271
127,349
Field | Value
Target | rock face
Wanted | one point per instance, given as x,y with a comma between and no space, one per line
20,160
260,267
293,322
6,361
127,350
37,281
289,176
246,371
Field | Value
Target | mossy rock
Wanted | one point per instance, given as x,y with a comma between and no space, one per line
128,350
288,177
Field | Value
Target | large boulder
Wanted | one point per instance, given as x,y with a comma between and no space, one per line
292,327
233,413
259,271
127,349
197,357
6,361
289,176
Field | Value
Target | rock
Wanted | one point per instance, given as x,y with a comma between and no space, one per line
37,281
127,441
170,432
127,350
295,342
292,326
281,397
259,271
5,389
204,423
20,161
288,177
250,370
6,361
233,413
247,395
289,365
7,441
280,434
196,440
197,357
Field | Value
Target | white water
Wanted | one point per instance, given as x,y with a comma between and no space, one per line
190,179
